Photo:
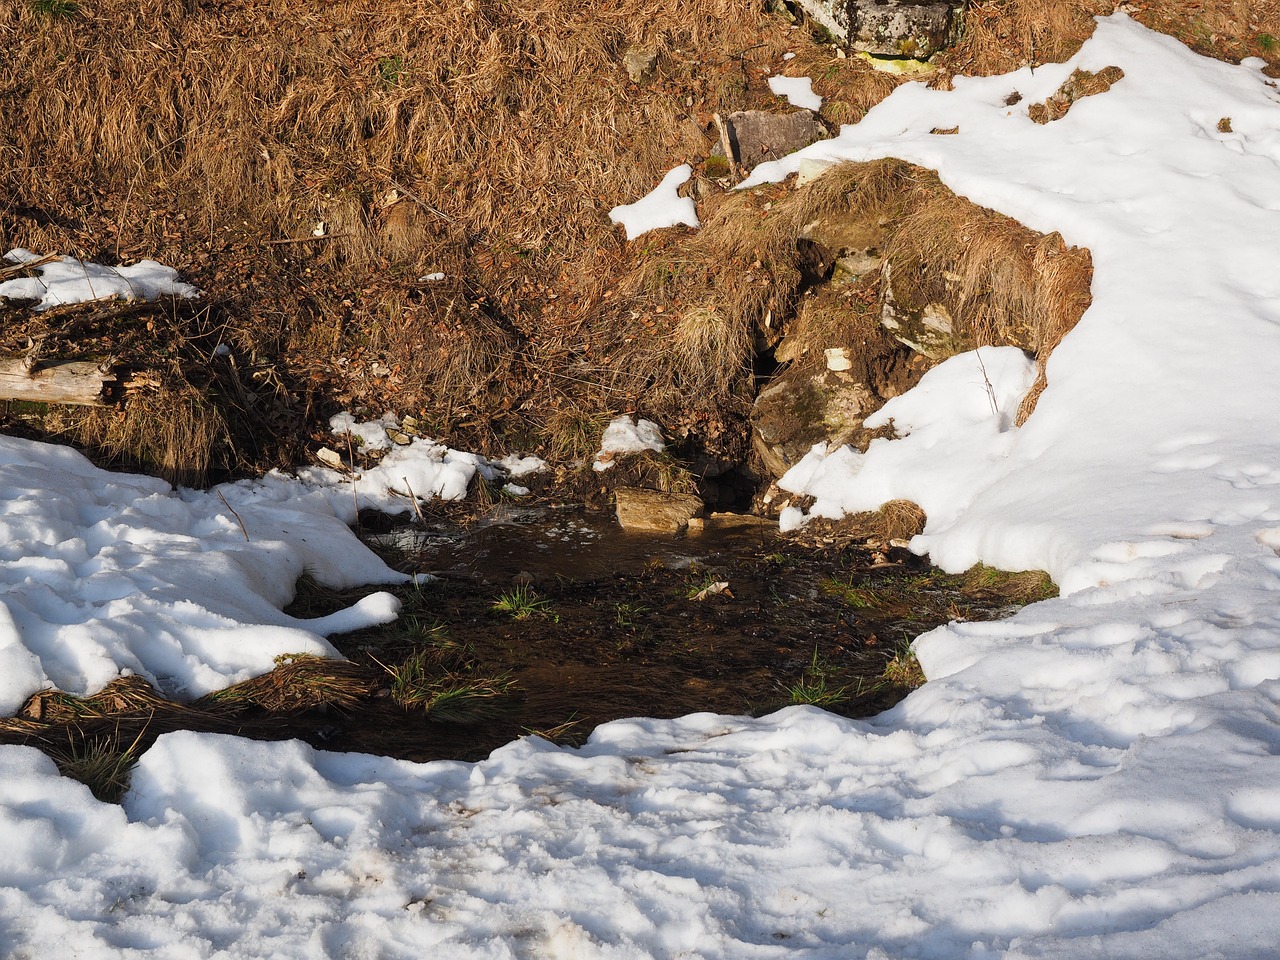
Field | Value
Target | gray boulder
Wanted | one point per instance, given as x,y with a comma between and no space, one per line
890,28
800,409
757,135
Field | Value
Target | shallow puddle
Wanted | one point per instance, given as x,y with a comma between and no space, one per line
569,543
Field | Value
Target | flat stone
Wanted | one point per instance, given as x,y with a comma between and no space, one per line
756,136
640,63
652,511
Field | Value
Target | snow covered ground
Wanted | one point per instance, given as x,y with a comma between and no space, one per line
1098,776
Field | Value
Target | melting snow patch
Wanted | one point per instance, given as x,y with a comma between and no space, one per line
624,436
662,207
66,280
797,90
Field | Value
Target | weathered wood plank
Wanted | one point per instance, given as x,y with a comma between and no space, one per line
80,383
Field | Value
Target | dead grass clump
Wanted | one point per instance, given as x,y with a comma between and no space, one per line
171,431
735,282
1002,35
298,682
103,764
997,281
900,520
986,585
124,695
896,520
1080,84
1000,282
708,350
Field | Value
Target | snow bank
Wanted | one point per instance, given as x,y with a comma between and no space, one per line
104,574
1094,777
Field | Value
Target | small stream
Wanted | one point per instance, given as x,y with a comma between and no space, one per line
568,622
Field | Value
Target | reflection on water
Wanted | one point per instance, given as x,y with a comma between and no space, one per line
568,542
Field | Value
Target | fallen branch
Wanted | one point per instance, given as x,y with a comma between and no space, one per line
80,383
233,513
19,268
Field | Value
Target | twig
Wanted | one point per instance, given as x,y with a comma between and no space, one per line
355,491
322,237
28,265
413,499
726,145
234,514
422,203
991,391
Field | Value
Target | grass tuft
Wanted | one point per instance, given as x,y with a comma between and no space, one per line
522,602
418,684
99,763
55,9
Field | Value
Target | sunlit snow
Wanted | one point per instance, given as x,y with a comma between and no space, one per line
661,207
1097,776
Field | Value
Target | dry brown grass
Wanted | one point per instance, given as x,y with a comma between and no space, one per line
481,140
171,431
1080,84
740,275
1225,29
1003,35
298,683
1002,282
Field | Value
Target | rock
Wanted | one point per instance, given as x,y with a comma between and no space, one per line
798,410
838,359
756,136
640,63
854,243
651,511
810,170
927,329
891,28
331,458
903,29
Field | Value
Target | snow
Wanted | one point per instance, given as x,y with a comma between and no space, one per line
66,280
797,90
1096,776
661,207
625,436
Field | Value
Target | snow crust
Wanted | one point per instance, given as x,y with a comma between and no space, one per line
1097,776
661,207
67,280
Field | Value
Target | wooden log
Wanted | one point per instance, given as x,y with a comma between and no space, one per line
81,383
